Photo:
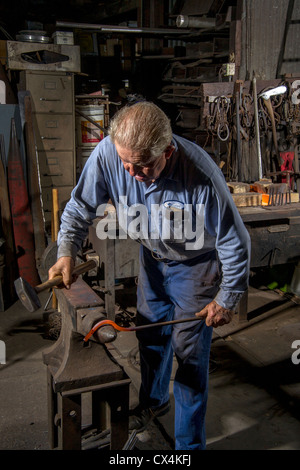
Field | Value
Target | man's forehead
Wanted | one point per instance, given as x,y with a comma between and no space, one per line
131,156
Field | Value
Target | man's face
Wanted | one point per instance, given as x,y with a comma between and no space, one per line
138,167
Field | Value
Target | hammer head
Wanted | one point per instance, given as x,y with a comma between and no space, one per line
27,295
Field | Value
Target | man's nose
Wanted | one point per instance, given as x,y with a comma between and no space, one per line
132,169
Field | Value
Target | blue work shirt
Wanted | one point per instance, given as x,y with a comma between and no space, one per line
191,182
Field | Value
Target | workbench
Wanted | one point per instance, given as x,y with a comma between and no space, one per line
274,232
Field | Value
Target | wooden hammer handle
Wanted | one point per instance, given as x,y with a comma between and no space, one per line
274,132
55,281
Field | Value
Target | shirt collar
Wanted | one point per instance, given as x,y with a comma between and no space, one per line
170,170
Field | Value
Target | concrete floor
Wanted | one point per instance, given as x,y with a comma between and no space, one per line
254,398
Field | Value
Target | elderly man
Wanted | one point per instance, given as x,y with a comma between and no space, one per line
194,256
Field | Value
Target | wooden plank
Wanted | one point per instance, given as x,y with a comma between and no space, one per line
34,185
237,188
247,199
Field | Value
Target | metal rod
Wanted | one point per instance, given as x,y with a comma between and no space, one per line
136,328
257,131
238,137
272,117
164,323
183,21
119,29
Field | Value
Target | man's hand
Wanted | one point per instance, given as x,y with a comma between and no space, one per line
64,266
215,315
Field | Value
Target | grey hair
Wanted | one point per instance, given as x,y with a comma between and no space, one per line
142,127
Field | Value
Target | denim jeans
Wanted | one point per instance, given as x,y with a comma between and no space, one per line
171,290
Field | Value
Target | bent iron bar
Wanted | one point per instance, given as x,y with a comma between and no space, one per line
136,328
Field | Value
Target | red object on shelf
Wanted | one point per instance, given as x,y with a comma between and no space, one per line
20,212
287,166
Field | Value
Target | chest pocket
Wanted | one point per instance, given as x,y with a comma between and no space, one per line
173,220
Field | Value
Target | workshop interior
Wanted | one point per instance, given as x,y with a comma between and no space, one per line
227,74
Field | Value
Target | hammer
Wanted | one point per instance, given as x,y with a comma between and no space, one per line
28,295
267,99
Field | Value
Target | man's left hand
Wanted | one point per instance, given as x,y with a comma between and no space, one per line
215,315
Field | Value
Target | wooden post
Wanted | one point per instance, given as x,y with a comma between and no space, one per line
54,230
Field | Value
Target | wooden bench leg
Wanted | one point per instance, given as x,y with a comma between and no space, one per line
118,401
69,409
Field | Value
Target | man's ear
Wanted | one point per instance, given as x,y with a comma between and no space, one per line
169,151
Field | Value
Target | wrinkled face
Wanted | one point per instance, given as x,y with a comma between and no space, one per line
138,167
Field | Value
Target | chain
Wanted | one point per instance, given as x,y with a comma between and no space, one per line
218,120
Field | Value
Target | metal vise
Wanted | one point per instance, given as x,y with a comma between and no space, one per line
75,368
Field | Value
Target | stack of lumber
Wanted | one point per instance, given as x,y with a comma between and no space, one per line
256,194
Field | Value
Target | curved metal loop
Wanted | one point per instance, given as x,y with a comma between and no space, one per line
221,128
223,103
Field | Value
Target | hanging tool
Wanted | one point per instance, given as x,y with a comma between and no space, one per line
217,122
267,100
238,137
136,328
28,294
257,130
279,194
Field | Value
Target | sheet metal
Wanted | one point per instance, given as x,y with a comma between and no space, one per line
263,25
292,44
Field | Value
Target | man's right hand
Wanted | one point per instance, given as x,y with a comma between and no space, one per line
64,266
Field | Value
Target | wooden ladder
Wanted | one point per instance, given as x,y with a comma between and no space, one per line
288,22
